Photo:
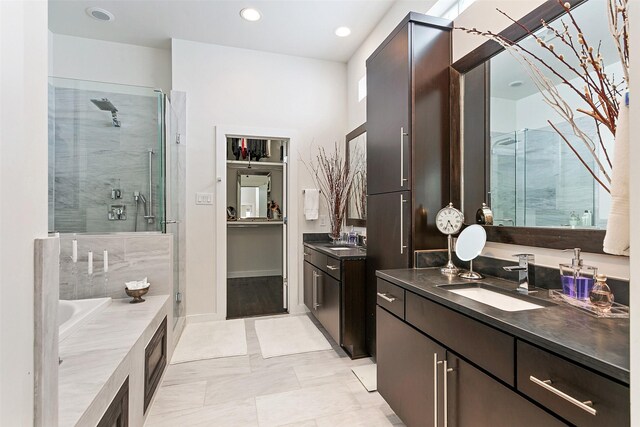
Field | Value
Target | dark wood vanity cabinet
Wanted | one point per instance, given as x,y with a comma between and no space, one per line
334,294
408,370
427,383
407,146
155,360
117,414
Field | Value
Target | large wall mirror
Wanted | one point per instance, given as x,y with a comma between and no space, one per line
512,158
356,156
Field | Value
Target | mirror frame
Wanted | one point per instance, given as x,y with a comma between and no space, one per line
351,136
545,237
239,195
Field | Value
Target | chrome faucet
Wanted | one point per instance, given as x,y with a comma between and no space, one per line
522,268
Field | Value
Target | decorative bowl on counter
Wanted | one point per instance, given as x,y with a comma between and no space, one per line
136,294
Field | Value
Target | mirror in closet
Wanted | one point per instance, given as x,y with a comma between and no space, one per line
254,188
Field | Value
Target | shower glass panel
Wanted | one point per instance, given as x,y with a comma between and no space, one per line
105,157
176,203
536,180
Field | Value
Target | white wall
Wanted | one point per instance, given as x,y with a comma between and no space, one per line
23,191
356,67
634,191
238,87
103,61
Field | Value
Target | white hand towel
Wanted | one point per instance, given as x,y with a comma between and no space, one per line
137,284
311,203
616,240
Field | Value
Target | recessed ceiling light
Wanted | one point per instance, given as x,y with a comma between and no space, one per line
100,14
250,14
516,83
343,31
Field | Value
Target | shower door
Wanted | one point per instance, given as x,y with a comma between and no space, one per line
175,173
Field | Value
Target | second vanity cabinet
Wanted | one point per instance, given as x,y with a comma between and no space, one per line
438,367
334,294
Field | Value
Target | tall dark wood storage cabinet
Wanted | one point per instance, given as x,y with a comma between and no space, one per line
407,147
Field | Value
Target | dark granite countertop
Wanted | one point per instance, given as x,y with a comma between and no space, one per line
599,344
355,252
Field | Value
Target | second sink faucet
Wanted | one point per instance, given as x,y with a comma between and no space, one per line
522,268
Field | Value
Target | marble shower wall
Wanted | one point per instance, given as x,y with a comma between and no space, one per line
132,256
89,156
537,180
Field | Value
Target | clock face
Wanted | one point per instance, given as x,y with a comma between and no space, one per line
449,220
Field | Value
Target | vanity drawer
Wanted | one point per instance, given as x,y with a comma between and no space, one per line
562,387
391,297
333,267
314,257
485,346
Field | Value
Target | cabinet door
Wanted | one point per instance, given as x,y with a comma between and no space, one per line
117,414
388,222
329,304
476,399
309,287
388,116
408,371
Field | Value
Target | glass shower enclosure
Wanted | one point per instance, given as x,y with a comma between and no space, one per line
117,164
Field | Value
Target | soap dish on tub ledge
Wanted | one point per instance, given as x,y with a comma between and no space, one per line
617,310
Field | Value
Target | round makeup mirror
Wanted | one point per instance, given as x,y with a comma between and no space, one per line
468,246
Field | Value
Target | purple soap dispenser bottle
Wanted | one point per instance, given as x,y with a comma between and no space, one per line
577,279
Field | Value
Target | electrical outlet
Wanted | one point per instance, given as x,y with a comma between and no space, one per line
204,198
323,220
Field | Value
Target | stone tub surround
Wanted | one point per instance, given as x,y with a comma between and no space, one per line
45,344
98,357
132,256
540,276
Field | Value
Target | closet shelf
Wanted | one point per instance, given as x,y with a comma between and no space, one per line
241,224
254,163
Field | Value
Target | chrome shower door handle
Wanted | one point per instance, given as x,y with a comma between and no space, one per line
402,135
402,245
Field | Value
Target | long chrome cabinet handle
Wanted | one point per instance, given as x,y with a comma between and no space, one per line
402,245
402,135
315,290
387,297
435,389
446,371
586,406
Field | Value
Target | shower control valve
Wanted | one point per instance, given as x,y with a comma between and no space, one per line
117,213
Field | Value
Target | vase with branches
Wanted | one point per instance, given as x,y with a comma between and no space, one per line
334,178
579,65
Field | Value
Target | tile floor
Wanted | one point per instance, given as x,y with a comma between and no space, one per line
309,389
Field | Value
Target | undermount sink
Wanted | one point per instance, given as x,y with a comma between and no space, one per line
496,297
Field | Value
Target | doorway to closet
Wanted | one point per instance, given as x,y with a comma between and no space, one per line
256,177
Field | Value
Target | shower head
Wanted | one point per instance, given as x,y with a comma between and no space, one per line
143,199
105,105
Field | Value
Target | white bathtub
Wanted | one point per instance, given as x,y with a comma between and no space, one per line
72,314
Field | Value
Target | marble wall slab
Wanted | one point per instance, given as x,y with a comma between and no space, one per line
89,156
132,256
45,347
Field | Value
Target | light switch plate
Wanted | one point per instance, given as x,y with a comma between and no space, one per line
323,220
204,198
